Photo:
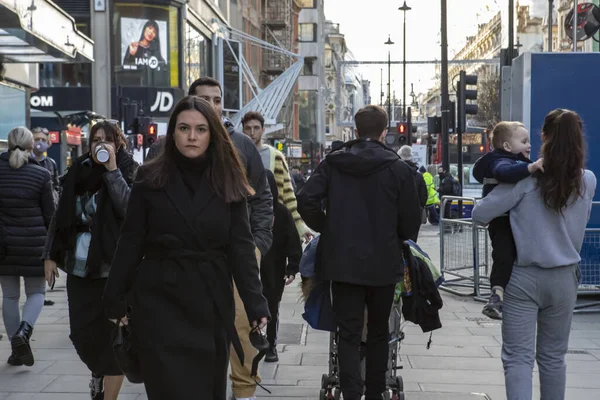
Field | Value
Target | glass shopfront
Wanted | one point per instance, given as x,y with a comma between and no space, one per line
68,75
145,45
198,55
12,110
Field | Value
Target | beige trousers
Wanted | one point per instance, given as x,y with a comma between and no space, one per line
242,384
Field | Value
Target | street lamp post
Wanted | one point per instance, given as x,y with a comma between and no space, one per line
389,42
404,8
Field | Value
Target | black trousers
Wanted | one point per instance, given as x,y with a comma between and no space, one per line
349,303
504,251
91,332
273,325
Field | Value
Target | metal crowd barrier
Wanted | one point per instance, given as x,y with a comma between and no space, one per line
590,268
466,256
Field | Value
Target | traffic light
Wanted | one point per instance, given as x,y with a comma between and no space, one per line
279,145
148,129
434,139
152,133
403,133
463,94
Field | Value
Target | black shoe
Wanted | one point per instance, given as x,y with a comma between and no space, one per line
97,388
272,355
493,308
13,360
20,344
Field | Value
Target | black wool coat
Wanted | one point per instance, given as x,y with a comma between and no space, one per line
26,208
175,261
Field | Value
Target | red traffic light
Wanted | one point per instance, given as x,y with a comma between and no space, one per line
152,129
402,128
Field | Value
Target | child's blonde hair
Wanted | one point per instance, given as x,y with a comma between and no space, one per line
503,131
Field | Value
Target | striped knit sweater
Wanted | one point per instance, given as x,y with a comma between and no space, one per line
280,169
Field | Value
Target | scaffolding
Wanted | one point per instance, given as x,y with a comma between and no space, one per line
278,31
275,101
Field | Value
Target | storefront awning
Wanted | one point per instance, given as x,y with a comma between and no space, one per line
38,31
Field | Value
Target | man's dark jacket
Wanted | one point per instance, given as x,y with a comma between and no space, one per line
502,166
420,181
372,206
261,210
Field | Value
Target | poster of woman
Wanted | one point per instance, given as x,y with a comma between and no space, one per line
144,44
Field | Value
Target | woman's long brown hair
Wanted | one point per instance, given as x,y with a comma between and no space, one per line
563,153
226,174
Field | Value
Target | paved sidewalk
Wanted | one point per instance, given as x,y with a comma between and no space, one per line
464,359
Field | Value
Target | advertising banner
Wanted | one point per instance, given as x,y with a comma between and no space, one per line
419,152
144,44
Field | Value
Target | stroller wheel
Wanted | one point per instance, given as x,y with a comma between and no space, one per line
323,394
324,381
399,384
337,394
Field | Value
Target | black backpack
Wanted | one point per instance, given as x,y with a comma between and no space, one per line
456,189
423,305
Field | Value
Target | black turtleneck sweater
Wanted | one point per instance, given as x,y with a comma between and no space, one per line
191,170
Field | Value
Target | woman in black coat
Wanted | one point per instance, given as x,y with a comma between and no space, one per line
185,235
26,208
82,240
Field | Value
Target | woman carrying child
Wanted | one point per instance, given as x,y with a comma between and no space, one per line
549,212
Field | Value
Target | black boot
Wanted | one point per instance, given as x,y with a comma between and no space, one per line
12,359
20,344
271,355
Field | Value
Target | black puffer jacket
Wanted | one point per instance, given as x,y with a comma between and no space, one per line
261,210
26,208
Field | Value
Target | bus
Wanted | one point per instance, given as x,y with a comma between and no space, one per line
475,143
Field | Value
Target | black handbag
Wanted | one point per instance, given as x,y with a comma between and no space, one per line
126,353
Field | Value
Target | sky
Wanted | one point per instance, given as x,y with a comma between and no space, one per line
367,24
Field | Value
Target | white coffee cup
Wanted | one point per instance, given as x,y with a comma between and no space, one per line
102,154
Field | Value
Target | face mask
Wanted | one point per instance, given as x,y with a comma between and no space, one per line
40,147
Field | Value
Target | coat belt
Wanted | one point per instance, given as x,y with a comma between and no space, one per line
216,284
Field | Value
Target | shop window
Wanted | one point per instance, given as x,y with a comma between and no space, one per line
328,58
307,100
307,3
67,75
307,33
198,60
12,109
309,67
146,50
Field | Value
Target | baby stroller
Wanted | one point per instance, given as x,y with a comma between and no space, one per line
330,383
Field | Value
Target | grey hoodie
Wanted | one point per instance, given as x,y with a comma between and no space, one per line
543,237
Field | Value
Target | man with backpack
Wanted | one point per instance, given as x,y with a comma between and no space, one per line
371,208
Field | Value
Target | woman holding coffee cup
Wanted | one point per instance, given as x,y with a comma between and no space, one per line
81,242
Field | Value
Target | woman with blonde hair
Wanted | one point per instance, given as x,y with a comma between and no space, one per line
26,208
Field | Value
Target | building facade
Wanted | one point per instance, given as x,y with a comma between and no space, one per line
311,84
560,40
28,37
